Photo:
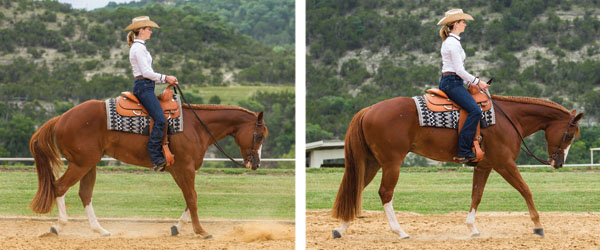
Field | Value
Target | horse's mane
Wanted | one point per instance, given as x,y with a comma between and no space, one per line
531,100
210,107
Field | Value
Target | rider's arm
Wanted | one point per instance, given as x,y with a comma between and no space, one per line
143,60
457,62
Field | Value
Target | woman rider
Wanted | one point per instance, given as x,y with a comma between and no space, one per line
145,79
454,76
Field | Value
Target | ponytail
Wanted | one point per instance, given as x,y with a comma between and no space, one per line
446,29
132,34
130,38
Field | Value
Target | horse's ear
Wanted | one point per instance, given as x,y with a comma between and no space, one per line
573,112
577,118
261,116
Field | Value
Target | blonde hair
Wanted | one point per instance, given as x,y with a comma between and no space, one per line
132,34
446,29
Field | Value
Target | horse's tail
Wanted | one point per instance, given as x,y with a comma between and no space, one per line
348,203
47,163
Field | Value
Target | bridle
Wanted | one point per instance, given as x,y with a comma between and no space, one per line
566,138
256,137
251,156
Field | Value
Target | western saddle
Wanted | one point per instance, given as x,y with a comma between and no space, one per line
128,105
438,101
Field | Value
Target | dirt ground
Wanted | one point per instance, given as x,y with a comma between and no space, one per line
499,230
30,233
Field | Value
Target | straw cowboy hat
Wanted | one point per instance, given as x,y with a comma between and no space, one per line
454,15
140,22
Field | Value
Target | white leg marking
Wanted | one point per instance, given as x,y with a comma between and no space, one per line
566,153
185,218
471,223
343,227
62,214
89,210
62,210
394,225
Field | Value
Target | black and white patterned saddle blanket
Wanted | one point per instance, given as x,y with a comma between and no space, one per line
447,119
138,124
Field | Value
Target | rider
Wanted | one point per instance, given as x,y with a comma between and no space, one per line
145,79
454,76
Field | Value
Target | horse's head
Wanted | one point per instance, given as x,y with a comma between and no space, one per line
249,137
559,135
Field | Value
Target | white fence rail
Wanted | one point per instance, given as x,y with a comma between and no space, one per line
566,165
205,159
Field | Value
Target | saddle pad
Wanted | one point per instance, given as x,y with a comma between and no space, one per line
138,124
447,119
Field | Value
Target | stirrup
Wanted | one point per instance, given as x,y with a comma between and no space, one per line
160,167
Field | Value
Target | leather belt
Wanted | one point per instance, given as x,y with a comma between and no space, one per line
448,73
139,77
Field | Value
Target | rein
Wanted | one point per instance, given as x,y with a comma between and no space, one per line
528,151
207,130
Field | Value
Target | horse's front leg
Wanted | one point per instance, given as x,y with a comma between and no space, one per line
386,193
86,189
480,176
511,174
185,176
185,218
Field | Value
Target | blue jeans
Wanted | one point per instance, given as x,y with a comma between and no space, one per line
452,85
143,89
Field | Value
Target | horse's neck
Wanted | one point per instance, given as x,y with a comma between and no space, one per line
533,117
221,123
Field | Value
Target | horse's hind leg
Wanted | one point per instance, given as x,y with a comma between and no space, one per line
513,177
386,193
86,189
371,169
480,176
73,174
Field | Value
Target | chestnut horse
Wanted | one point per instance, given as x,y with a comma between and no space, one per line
381,135
82,136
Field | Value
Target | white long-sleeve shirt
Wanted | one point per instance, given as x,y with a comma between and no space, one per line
453,59
141,62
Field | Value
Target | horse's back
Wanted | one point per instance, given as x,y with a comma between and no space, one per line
392,112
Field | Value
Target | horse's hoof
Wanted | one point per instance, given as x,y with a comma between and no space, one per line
174,231
539,231
404,237
336,234
475,235
53,230
207,237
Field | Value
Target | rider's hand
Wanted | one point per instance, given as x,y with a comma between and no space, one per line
483,85
171,80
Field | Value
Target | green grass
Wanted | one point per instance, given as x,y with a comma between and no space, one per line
148,194
448,190
231,95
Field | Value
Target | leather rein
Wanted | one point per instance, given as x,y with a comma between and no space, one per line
254,135
555,153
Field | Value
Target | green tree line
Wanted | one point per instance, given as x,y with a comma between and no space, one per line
268,21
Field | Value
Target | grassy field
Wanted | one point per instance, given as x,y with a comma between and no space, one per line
223,193
230,95
425,191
